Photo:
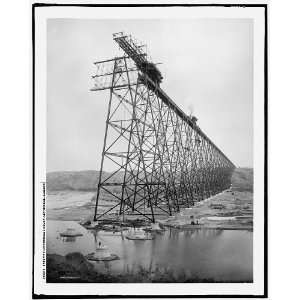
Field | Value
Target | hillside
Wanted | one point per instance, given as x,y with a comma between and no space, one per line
75,181
242,180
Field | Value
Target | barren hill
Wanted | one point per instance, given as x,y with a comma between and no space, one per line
75,180
242,180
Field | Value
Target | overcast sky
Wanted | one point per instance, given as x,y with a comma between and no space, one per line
207,68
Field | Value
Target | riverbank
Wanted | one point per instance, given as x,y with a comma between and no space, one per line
194,247
229,210
218,255
71,196
74,267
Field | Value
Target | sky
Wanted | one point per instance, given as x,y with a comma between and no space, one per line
207,65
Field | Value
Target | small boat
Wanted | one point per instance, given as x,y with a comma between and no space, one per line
139,235
101,248
102,254
70,232
139,238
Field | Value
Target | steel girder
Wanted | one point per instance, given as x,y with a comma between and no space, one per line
159,161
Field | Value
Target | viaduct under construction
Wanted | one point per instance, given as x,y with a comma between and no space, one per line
159,160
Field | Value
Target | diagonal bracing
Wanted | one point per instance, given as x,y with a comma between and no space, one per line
159,159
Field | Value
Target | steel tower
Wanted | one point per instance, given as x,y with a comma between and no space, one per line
159,159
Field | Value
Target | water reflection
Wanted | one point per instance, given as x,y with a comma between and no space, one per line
214,253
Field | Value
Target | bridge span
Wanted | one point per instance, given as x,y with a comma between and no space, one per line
159,160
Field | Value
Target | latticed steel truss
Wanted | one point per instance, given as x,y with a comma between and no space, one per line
159,159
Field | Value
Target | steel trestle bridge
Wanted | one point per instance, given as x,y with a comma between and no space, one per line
161,159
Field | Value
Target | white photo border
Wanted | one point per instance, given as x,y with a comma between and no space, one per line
258,12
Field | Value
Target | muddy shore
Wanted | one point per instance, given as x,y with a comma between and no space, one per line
74,267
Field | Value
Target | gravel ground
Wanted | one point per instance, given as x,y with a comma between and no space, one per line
227,210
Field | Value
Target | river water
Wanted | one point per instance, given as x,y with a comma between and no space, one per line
224,255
